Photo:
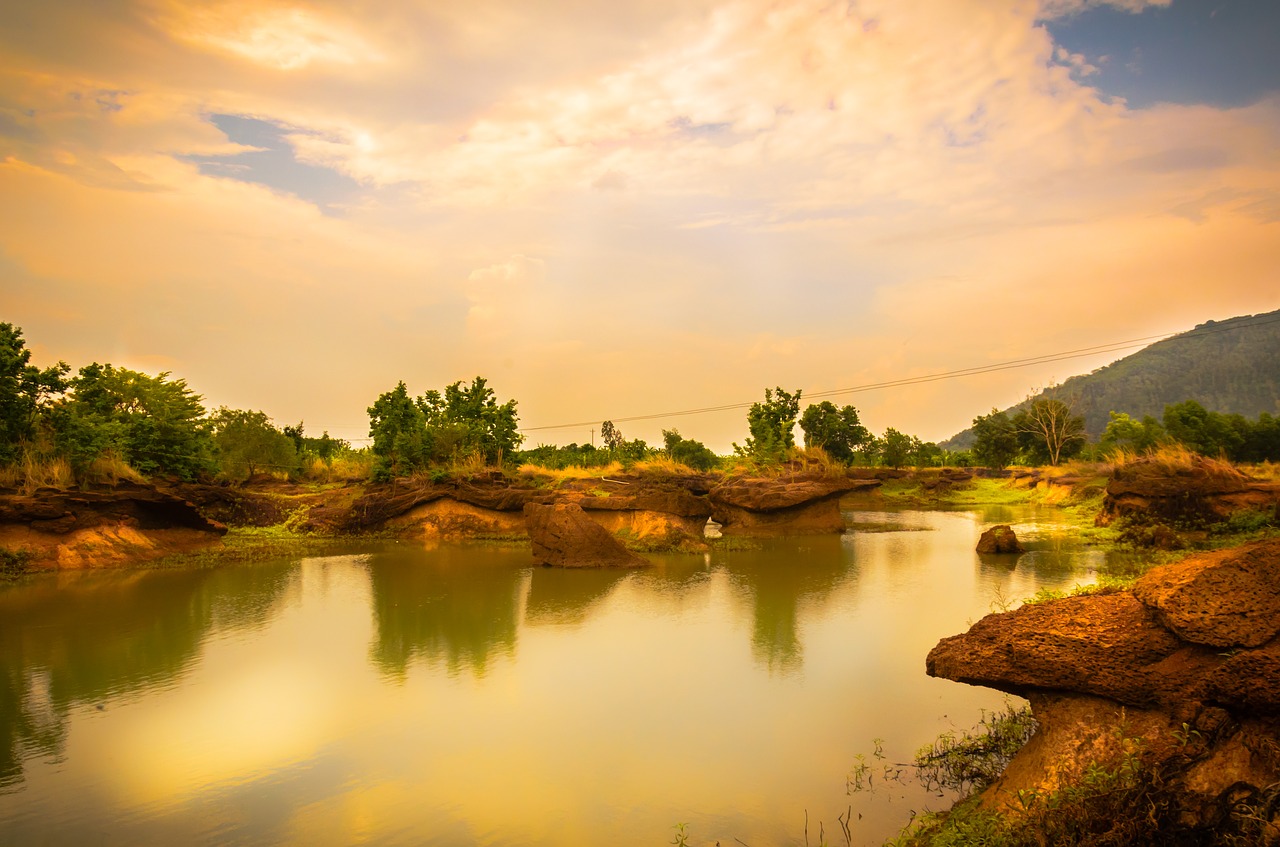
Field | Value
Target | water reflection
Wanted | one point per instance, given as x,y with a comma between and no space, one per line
454,607
567,597
87,638
776,580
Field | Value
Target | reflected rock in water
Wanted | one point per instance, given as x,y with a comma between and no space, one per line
85,638
449,607
558,596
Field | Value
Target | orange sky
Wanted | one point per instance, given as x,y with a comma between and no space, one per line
607,210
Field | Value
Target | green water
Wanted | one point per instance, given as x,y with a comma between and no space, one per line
457,695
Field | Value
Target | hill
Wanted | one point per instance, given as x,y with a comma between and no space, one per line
1230,366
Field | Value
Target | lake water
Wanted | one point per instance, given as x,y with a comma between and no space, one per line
456,695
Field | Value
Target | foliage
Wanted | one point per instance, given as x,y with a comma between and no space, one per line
897,448
686,451
772,426
25,391
1048,429
248,442
610,436
155,424
838,431
401,443
14,563
1229,366
995,443
553,457
970,761
1123,432
467,419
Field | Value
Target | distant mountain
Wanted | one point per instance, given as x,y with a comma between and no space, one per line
1230,366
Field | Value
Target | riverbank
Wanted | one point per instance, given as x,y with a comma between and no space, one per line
1140,505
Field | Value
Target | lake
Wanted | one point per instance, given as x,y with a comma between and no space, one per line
454,695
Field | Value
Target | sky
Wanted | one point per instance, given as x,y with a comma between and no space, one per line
612,210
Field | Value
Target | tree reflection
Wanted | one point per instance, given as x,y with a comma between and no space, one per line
453,607
86,638
777,578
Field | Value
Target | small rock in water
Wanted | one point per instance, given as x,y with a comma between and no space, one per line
1000,539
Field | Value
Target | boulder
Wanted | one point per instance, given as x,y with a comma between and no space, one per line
1000,539
562,535
1227,598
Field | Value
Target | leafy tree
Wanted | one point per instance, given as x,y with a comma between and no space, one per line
610,436
686,451
995,440
465,420
836,430
398,428
1049,430
154,423
25,391
772,424
1125,432
1207,433
247,442
897,448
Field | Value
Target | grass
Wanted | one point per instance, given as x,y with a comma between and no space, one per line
244,544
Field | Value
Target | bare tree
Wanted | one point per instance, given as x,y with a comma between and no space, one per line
1048,425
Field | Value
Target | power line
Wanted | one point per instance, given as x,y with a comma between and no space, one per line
1012,364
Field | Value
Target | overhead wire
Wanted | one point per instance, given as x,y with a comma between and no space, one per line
1047,358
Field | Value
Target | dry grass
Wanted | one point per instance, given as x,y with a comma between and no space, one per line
111,469
344,467
573,472
32,472
1172,458
662,466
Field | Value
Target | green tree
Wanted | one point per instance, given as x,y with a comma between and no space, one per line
468,419
398,428
836,430
995,440
154,423
1124,432
772,426
1049,430
25,391
1207,433
248,442
897,448
686,451
610,436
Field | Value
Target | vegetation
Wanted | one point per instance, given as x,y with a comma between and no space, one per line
772,426
1228,366
838,431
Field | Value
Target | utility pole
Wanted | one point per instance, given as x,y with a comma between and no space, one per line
593,437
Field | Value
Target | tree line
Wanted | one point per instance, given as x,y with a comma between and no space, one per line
110,417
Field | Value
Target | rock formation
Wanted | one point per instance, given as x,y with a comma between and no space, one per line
1000,539
1192,650
798,504
1201,489
126,523
563,536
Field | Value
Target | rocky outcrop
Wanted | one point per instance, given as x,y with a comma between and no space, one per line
1199,489
795,504
667,512
80,529
563,536
1000,539
1195,646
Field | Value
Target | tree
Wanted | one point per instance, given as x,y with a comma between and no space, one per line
467,420
248,442
1049,430
1123,432
610,436
995,440
772,424
398,428
1207,433
155,424
25,391
897,448
836,430
686,451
